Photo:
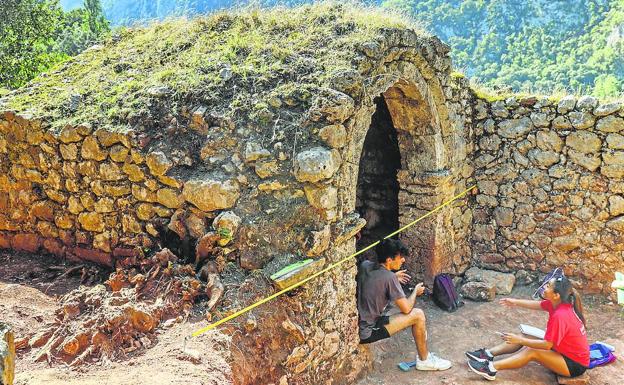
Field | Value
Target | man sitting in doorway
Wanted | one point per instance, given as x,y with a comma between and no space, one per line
378,286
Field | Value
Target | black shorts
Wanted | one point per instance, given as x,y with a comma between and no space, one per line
574,367
379,330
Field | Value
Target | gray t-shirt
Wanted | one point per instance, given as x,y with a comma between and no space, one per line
376,288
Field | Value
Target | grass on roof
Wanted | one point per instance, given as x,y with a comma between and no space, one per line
264,47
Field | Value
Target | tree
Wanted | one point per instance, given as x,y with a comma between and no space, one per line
36,34
83,27
28,29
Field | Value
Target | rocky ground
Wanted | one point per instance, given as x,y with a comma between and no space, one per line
30,289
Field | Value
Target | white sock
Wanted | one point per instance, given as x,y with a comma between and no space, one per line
491,366
488,353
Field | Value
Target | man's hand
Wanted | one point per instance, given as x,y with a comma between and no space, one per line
419,289
403,276
509,302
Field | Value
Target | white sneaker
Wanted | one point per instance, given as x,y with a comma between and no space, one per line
433,362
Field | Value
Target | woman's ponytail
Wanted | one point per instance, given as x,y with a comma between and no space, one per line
578,305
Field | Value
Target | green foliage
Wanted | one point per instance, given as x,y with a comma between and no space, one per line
37,34
534,45
28,29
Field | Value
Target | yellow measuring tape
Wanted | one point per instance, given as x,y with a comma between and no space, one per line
325,270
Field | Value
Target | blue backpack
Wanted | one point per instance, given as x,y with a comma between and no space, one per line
599,355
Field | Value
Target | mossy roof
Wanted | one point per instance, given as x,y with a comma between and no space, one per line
231,58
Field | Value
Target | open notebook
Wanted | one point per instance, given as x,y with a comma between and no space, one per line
532,331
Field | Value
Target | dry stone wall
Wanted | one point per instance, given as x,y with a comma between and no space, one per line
550,177
91,194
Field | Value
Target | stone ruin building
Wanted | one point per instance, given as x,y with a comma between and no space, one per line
250,141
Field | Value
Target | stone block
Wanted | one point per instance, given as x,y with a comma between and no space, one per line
7,354
91,149
334,135
584,141
580,380
610,124
581,120
549,140
158,163
209,195
515,128
91,255
26,242
504,282
316,164
479,291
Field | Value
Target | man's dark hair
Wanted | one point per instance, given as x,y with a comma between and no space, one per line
389,248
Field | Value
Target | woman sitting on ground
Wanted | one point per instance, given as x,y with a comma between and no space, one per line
564,349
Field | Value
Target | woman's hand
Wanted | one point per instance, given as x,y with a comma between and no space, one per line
512,338
509,302
403,276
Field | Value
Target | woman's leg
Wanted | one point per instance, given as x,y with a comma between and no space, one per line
504,348
549,358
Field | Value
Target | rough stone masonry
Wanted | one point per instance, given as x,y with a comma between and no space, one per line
268,174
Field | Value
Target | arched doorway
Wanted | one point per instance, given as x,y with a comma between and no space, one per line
402,174
377,186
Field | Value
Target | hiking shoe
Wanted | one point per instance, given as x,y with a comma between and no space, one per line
482,369
479,355
433,362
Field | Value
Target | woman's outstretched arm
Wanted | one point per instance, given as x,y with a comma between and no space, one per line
525,303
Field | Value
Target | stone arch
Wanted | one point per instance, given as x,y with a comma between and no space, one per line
420,116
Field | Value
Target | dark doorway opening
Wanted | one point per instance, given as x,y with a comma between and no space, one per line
377,186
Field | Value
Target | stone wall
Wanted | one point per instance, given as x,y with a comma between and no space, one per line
550,177
88,195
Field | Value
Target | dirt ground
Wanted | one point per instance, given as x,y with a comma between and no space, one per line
29,288
28,302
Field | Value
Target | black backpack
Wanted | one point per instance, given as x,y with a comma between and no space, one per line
444,294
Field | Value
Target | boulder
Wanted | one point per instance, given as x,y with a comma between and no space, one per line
479,291
504,282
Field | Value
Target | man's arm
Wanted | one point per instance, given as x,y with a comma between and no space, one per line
407,304
524,303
